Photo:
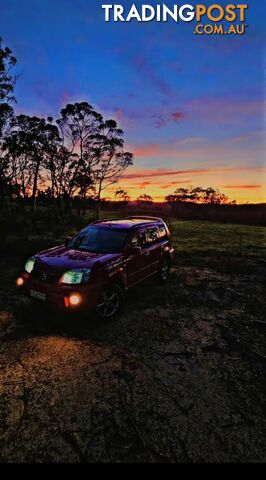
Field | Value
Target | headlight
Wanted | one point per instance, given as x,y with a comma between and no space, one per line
30,265
76,277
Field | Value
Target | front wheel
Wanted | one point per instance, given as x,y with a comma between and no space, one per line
164,270
110,303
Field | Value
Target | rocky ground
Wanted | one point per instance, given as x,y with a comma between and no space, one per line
178,377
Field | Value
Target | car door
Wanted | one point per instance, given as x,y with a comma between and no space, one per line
137,266
153,249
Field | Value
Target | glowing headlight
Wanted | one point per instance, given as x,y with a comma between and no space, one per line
30,265
76,277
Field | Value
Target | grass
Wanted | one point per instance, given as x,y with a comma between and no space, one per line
205,238
195,243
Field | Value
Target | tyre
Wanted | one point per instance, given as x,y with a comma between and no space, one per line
164,270
110,302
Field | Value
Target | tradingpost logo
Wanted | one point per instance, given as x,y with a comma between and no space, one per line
215,19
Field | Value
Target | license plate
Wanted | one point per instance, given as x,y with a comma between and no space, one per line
38,295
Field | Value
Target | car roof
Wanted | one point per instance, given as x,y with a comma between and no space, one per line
129,223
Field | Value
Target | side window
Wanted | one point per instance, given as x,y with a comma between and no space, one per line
162,233
139,239
153,236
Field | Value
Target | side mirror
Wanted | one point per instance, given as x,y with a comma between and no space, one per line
133,251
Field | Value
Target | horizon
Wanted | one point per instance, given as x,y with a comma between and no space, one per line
134,201
192,107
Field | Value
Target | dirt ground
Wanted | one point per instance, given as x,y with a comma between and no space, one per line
178,377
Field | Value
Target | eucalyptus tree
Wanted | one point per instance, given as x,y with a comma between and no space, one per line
30,144
97,150
77,123
7,83
145,200
110,159
122,196
192,194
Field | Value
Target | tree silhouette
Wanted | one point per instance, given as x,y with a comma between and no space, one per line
7,83
122,196
97,149
78,123
145,199
213,196
197,195
30,142
109,158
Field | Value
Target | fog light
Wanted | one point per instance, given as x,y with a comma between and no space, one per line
75,300
20,282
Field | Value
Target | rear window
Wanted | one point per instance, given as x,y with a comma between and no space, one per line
156,234
153,235
162,232
139,239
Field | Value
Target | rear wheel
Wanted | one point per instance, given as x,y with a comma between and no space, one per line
164,270
111,302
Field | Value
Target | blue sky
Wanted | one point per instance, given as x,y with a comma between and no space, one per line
192,107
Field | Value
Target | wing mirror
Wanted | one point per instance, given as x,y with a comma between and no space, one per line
133,251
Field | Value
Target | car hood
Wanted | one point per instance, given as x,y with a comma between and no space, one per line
61,259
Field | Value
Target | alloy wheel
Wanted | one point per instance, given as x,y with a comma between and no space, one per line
109,303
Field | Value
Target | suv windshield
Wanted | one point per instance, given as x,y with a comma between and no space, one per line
99,240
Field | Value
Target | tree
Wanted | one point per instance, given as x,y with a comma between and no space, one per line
30,143
78,124
145,200
98,147
108,159
77,155
7,83
197,195
213,196
185,194
122,196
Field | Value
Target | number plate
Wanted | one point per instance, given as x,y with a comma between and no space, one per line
38,295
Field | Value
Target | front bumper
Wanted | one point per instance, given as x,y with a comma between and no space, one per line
59,295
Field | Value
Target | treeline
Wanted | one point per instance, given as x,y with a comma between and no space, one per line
77,154
200,195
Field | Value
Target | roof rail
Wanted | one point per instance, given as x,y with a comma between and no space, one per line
100,221
133,217
139,217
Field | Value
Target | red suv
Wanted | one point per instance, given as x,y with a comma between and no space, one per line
94,269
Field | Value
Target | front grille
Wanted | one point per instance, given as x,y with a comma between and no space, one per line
45,277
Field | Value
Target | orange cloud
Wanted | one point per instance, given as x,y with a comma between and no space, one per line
244,187
172,184
144,185
162,173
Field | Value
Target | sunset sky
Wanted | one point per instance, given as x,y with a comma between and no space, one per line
192,107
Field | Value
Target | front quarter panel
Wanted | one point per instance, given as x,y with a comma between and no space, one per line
113,271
